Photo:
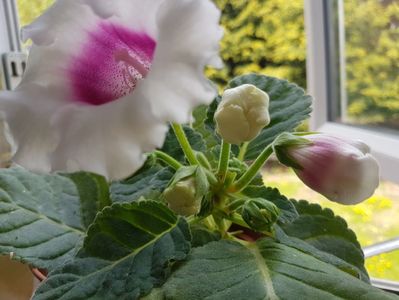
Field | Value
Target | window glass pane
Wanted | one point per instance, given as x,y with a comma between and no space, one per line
28,10
371,64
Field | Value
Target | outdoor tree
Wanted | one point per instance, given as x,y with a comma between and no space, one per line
372,56
263,36
28,10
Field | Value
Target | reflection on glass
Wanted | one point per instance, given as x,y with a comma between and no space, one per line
372,62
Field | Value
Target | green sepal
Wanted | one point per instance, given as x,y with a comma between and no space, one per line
260,214
199,175
206,205
183,173
283,143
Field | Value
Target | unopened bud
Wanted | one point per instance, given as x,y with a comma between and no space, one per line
187,190
260,214
242,113
342,170
181,198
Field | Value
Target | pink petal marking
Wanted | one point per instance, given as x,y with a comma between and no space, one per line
111,62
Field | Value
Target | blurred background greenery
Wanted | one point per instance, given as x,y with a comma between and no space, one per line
372,61
267,36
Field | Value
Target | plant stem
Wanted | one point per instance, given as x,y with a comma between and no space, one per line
168,159
203,160
184,144
224,160
243,150
250,174
210,222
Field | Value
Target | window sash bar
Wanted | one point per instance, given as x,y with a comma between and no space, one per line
12,24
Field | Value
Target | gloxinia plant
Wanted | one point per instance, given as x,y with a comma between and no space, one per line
135,212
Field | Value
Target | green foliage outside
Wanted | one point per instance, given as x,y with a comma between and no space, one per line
372,52
262,36
29,9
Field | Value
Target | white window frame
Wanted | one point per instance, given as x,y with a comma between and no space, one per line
9,27
384,145
9,33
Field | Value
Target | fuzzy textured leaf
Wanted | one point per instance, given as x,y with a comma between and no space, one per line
205,124
40,217
202,235
93,192
129,250
258,271
329,233
148,182
289,106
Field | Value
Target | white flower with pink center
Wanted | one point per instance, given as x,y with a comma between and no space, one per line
103,79
342,170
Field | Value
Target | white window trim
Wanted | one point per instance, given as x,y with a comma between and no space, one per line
9,33
384,145
9,27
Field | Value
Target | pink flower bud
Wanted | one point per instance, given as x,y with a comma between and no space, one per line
342,170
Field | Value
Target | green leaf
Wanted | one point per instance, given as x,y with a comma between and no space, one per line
201,235
289,106
172,147
148,182
326,232
40,217
261,270
288,213
207,125
209,121
321,255
129,250
94,194
199,115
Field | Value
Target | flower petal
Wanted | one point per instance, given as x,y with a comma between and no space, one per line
108,139
63,34
188,40
340,169
71,112
29,127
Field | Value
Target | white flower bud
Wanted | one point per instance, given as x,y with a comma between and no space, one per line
342,170
186,191
242,113
182,198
